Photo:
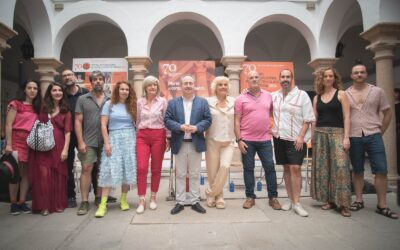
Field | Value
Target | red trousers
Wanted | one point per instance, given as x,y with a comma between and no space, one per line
149,142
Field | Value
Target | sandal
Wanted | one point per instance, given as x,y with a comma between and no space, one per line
345,212
328,206
357,205
386,212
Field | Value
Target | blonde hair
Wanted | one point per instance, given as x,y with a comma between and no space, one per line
319,80
149,80
217,80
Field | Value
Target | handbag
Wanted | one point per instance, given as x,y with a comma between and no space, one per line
41,137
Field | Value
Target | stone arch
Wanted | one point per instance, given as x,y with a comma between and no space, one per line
36,22
76,23
336,21
293,22
185,16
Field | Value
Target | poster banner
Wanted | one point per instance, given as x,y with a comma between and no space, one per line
171,72
114,70
269,73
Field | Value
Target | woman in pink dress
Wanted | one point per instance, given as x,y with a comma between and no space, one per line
48,170
21,116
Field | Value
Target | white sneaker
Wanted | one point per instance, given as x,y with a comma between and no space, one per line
287,206
140,208
153,205
300,210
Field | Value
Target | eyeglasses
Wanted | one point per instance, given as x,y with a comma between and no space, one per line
70,74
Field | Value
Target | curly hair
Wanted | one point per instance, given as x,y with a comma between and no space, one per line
319,80
131,101
49,103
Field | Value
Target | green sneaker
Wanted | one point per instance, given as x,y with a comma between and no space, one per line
83,208
101,211
124,205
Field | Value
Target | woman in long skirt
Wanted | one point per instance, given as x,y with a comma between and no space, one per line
118,167
330,182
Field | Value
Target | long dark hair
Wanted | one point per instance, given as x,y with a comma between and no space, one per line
36,102
48,100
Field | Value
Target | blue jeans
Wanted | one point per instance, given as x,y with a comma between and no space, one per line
264,151
373,145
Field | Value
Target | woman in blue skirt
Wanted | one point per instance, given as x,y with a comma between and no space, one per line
118,160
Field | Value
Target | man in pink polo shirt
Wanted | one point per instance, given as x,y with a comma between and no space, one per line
252,112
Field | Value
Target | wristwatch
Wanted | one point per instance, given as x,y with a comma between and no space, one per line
238,140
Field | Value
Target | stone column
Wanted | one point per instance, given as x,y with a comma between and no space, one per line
319,63
139,68
5,34
233,66
47,70
384,38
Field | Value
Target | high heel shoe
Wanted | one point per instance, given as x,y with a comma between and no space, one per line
142,205
45,212
153,204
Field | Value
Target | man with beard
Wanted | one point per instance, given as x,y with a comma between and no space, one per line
293,114
74,91
88,134
367,126
252,111
187,117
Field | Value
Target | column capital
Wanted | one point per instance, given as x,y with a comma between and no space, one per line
5,34
233,62
139,63
47,65
383,38
47,70
318,63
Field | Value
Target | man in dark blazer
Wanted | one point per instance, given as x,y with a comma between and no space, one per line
187,117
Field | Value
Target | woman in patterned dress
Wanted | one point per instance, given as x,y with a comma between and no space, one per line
118,160
330,182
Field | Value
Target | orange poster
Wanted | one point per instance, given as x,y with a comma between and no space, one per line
269,73
171,72
114,70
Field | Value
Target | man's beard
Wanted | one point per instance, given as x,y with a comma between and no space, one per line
69,84
98,88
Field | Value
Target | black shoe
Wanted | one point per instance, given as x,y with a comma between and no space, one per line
24,208
14,209
97,201
111,199
198,208
178,207
72,202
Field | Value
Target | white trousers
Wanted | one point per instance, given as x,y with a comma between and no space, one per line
188,163
218,159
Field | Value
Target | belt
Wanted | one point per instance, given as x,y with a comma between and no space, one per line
187,140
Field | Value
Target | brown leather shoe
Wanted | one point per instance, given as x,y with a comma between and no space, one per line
274,203
249,203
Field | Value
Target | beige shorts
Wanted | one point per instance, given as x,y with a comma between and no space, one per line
91,156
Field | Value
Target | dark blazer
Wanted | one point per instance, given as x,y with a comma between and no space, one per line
175,117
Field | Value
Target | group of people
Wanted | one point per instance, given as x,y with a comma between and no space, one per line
118,135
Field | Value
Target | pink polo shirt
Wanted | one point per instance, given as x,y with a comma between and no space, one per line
254,112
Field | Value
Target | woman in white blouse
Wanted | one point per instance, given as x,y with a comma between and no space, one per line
220,141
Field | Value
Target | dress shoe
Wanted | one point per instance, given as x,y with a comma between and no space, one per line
249,203
198,208
178,208
274,203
